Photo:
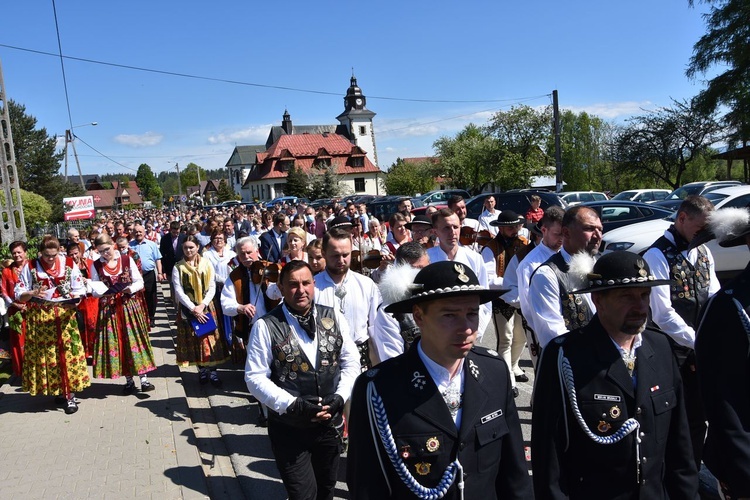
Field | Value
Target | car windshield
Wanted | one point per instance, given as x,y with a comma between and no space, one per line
625,195
685,191
715,197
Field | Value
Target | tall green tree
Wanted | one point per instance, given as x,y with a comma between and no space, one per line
663,143
409,178
149,186
297,183
725,45
470,159
225,192
189,176
325,185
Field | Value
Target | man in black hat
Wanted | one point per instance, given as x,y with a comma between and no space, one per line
421,231
497,254
439,419
721,347
609,418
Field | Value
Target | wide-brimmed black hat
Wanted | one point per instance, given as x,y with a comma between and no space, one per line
342,221
730,226
508,218
443,280
421,220
620,269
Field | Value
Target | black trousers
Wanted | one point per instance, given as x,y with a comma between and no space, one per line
307,459
694,406
149,290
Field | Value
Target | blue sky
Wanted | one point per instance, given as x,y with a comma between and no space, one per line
611,59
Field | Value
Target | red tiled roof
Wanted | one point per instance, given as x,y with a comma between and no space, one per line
107,196
306,149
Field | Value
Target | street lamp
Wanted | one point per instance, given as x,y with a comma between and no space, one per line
70,139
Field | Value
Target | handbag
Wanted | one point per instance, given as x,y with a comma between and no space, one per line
202,329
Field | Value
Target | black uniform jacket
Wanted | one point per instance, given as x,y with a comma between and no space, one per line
723,355
489,444
170,256
569,464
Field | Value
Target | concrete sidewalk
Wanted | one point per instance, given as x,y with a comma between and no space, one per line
139,446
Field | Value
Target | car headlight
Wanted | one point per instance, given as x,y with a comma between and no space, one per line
618,245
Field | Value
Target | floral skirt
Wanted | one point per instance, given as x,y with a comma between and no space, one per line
123,346
208,350
54,359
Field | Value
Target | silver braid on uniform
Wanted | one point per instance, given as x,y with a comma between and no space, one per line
630,425
376,412
743,316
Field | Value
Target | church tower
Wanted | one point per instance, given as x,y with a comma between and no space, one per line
358,120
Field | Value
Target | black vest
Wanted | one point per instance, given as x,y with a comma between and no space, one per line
575,311
292,370
689,289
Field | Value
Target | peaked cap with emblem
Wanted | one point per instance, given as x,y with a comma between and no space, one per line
620,269
442,280
341,221
508,218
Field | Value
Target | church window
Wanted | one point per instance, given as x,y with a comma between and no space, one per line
362,130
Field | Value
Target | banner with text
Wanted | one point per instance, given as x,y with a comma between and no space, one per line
80,207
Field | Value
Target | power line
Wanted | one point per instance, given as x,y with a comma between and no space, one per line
267,86
103,155
62,65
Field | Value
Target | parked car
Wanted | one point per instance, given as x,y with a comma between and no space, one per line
289,200
576,197
230,203
384,207
440,196
643,195
638,237
675,197
518,201
619,213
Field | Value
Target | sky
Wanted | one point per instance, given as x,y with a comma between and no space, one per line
186,81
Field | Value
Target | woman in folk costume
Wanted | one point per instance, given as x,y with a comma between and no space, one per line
122,346
194,285
223,261
88,308
54,358
16,309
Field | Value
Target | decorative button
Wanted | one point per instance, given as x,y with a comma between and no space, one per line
644,460
638,411
643,434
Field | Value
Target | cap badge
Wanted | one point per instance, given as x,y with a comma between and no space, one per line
641,266
461,273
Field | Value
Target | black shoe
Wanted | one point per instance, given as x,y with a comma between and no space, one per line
262,420
129,388
522,378
147,386
61,400
71,406
215,380
203,377
515,392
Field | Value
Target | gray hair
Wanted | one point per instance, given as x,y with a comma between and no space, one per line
244,241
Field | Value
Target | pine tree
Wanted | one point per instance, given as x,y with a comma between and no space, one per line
296,183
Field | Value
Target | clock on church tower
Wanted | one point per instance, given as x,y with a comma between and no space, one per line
358,120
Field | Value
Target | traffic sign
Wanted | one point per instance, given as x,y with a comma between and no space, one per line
183,198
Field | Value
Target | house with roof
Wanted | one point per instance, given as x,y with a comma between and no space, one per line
208,191
259,172
122,194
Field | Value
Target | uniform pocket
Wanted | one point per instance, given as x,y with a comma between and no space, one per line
489,442
664,402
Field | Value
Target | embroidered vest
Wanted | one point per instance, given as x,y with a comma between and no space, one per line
111,280
504,253
689,290
240,278
575,311
292,370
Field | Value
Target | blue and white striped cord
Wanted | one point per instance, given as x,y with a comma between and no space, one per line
744,318
379,422
630,425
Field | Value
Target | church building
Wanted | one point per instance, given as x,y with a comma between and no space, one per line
259,172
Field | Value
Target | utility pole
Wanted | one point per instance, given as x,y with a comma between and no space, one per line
70,139
12,221
558,150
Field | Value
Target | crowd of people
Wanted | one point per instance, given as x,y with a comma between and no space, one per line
365,333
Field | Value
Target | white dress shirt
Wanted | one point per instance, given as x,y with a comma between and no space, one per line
220,262
484,221
662,312
526,268
229,303
387,340
546,308
442,378
260,359
359,305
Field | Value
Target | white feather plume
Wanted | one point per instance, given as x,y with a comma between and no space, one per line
580,266
395,283
728,223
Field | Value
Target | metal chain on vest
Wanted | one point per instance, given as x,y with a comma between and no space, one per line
630,425
376,412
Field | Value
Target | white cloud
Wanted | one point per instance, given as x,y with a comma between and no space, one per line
256,134
139,141
613,109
